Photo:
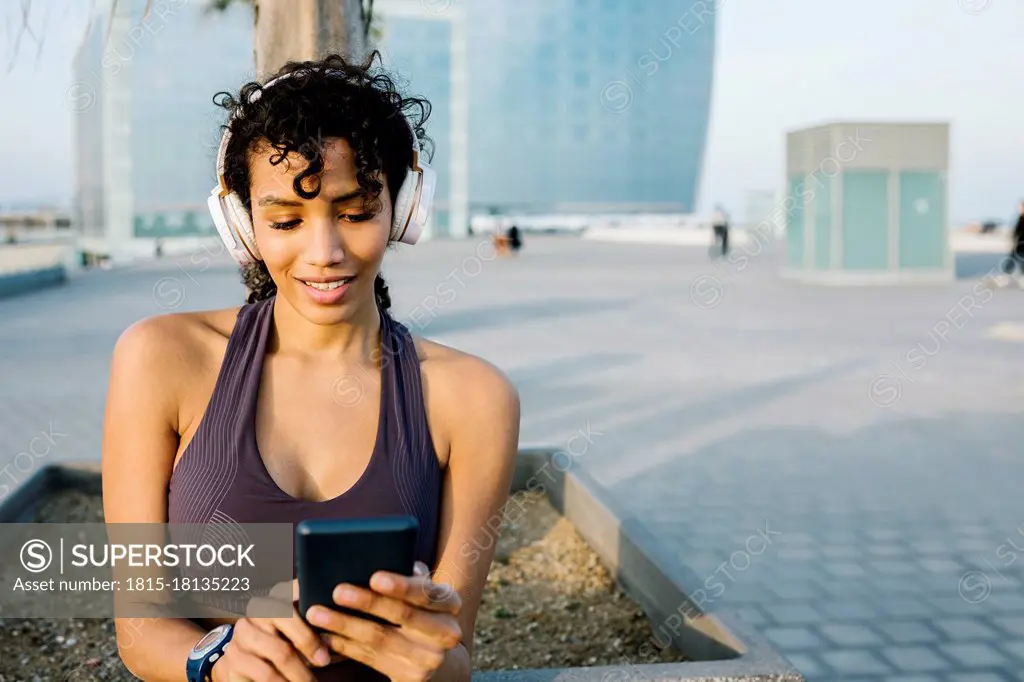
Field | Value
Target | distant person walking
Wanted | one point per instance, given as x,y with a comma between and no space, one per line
1018,240
515,238
720,224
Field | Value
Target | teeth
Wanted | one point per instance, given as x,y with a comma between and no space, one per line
326,286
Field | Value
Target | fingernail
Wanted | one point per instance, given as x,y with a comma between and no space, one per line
420,568
344,594
385,583
316,616
321,657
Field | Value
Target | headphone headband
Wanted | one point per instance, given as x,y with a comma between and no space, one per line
222,150
411,204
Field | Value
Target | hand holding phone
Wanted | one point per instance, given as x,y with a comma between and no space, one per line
349,551
358,620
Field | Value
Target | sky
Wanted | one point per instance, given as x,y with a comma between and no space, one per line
780,65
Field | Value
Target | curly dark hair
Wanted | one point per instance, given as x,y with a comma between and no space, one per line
328,98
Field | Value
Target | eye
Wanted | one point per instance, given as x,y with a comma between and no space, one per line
356,217
288,225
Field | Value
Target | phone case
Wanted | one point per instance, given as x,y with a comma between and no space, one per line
334,551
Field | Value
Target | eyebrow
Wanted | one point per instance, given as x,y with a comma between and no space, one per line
271,200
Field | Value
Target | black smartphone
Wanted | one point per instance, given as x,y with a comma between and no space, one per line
334,551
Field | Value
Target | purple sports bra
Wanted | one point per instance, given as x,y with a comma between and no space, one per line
221,477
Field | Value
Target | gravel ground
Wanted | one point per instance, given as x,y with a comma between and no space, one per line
548,603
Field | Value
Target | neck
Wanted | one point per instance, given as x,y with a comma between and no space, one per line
356,340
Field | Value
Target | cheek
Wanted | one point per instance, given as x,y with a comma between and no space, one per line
368,242
275,247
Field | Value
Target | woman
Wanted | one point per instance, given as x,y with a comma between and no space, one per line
311,401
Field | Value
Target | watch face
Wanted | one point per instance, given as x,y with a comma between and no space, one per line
209,641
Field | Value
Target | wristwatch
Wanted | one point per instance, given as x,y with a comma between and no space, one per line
206,652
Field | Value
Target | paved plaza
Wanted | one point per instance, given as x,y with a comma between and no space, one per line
841,466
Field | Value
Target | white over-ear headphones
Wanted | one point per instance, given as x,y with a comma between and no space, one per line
411,205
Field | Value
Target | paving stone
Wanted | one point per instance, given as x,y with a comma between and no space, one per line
793,638
797,538
957,606
844,569
888,550
905,607
974,655
1004,600
843,589
806,664
751,614
796,553
850,635
801,591
891,567
969,545
855,662
1014,625
883,533
980,677
915,659
1014,647
960,629
909,632
941,566
840,551
940,547
849,610
794,614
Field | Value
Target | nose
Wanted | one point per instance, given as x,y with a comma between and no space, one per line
324,244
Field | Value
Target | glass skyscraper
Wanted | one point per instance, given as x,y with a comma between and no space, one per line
146,127
573,105
539,106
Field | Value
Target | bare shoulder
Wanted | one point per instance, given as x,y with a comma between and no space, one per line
175,337
469,400
171,349
466,381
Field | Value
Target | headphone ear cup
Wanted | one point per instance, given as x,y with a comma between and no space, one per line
403,206
243,225
232,222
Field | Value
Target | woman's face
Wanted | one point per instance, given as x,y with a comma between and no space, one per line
323,253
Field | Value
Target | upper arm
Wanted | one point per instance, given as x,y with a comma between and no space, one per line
140,436
483,444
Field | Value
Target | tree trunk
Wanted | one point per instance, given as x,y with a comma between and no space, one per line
298,30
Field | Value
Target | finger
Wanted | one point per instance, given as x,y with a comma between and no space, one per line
275,649
429,627
397,669
250,667
301,636
304,639
418,590
422,652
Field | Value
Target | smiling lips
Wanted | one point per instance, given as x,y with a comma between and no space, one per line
327,290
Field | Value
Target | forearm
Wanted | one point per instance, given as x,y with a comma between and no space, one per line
456,666
156,649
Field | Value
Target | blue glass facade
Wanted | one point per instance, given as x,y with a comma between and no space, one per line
177,67
588,104
418,54
162,70
572,105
